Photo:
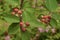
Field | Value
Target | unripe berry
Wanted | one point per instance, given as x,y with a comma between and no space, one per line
13,13
17,15
27,24
21,24
20,12
23,29
15,9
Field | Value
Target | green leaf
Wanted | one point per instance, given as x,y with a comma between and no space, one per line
51,5
28,16
53,22
11,18
25,35
13,28
27,4
14,3
56,16
3,26
18,36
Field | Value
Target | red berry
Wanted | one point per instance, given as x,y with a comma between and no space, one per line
44,17
21,24
13,13
43,20
27,24
15,9
19,12
49,17
23,29
48,20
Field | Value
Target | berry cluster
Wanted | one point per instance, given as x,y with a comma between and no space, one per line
22,26
45,19
16,11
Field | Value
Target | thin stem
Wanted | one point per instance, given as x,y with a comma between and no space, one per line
21,7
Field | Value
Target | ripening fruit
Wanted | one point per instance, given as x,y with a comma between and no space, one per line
49,17
20,12
27,24
21,24
44,17
13,13
5,33
15,9
23,29
43,20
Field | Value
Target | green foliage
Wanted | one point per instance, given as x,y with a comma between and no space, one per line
31,18
3,26
51,5
11,18
24,36
10,23
53,22
13,28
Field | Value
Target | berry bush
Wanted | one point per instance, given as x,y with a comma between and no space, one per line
29,19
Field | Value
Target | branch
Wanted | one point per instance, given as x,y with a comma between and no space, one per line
21,5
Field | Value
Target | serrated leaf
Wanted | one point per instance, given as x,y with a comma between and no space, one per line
11,18
28,16
51,5
53,22
13,28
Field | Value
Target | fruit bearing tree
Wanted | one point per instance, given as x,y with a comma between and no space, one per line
29,20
